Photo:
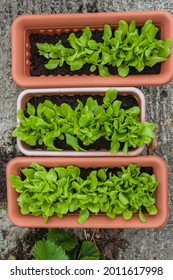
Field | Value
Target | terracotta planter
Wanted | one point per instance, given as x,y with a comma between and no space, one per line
24,25
99,221
27,94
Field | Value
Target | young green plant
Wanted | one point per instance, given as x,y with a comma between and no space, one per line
61,190
123,48
85,124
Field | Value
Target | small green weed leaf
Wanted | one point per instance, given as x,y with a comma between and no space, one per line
88,251
62,238
46,250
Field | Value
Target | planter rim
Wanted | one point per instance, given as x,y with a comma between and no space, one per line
26,150
19,50
22,17
99,221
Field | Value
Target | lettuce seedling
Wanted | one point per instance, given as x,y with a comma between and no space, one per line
61,190
87,123
122,48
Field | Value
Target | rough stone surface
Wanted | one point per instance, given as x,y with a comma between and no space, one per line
140,244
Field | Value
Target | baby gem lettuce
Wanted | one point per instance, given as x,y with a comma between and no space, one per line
61,190
122,48
87,123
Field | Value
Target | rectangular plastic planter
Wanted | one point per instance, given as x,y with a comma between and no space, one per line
24,25
94,221
27,94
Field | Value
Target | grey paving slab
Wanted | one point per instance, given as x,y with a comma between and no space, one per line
142,244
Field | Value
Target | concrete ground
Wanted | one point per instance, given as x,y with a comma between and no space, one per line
141,244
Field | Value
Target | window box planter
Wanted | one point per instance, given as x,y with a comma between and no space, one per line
24,25
26,95
95,221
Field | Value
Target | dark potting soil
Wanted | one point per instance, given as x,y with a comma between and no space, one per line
37,61
127,103
84,172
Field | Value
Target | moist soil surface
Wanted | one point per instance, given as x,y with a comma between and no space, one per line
38,61
127,103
